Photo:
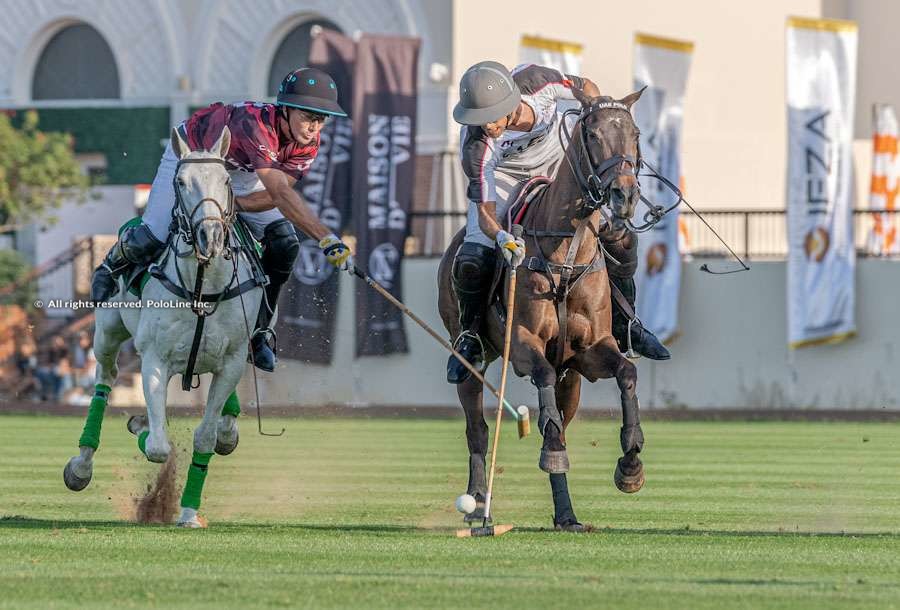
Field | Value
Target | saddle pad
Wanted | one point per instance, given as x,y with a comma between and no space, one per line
529,193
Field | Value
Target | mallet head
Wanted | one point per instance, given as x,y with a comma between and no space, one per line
478,532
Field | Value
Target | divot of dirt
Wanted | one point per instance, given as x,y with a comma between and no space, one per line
160,503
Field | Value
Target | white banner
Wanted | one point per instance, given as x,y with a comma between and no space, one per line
563,56
885,173
821,87
662,65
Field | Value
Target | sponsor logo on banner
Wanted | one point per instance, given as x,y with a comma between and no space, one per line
382,264
816,244
656,258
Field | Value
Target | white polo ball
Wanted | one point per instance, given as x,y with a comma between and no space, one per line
465,503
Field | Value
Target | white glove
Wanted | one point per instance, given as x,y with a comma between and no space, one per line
513,249
337,252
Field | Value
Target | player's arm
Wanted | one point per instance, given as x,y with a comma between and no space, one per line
487,219
280,188
260,201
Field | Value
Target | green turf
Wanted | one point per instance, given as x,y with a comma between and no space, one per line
359,513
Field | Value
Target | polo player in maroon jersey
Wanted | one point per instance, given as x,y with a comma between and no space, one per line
272,148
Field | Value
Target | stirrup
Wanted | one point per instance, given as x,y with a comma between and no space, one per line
477,338
631,354
269,334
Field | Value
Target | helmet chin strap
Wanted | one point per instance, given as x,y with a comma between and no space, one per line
287,119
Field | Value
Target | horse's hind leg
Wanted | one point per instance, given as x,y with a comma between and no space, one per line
220,389
603,361
108,337
568,393
471,396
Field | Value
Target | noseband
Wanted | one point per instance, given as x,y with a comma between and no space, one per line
184,218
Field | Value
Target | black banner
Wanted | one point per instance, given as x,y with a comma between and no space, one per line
309,306
384,150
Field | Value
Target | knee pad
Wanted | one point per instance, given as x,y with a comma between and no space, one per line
138,245
624,250
281,249
473,268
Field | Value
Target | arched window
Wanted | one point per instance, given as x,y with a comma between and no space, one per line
293,52
76,64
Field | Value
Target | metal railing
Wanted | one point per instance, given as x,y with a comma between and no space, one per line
754,234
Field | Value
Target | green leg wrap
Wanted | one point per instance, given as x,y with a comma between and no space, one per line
142,441
193,488
90,436
232,405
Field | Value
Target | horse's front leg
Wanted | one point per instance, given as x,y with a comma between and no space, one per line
527,357
108,337
471,393
603,360
221,387
155,374
568,394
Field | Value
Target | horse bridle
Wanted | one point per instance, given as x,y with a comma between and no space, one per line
184,218
595,186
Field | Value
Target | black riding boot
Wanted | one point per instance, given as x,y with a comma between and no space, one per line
623,250
281,247
643,341
136,246
473,270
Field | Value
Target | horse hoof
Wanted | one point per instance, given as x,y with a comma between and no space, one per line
475,515
72,480
196,523
574,527
554,462
137,424
629,483
226,447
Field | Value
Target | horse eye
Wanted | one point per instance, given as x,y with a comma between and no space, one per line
180,181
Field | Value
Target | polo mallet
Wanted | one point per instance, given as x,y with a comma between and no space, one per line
522,416
497,530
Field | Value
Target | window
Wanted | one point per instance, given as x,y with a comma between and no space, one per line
293,52
76,64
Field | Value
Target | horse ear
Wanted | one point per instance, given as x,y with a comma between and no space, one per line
585,100
630,99
223,143
179,146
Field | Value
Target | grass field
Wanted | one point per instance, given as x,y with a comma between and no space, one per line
359,513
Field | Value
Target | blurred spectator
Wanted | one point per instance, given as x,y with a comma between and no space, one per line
53,363
26,369
84,362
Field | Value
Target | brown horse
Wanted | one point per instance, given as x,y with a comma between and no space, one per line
561,331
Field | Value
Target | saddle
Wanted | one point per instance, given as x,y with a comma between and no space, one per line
137,277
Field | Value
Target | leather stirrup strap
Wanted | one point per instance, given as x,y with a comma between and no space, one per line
622,302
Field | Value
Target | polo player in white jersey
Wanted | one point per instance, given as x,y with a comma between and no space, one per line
510,135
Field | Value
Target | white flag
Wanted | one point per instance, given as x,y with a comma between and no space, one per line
885,173
662,65
821,86
563,56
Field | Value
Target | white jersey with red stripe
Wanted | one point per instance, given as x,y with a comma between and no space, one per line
549,94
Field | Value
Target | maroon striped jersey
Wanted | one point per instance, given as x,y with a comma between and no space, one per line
255,140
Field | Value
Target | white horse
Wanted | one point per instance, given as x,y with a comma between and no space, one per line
205,245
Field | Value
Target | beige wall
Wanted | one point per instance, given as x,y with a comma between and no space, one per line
734,124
